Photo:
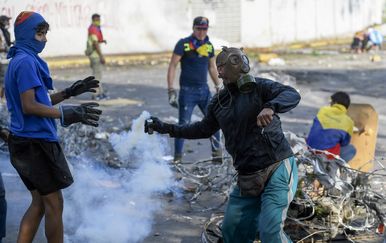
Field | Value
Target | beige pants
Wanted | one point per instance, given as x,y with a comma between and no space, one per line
96,67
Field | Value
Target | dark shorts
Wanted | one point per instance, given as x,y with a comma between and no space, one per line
41,165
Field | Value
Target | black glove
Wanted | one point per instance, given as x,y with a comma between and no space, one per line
173,98
84,113
81,86
155,124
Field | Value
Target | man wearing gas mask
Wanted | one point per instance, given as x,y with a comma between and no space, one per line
246,111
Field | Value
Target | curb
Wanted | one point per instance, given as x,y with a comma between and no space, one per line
113,60
263,55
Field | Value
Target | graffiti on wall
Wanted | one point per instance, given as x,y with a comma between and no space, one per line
61,14
7,10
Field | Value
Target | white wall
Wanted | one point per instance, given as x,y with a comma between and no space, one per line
128,25
132,26
268,22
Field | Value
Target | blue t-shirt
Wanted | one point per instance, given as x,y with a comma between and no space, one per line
194,66
21,76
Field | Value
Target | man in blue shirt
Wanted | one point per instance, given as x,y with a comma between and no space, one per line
33,142
196,54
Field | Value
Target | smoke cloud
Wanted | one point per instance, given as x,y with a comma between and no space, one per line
118,205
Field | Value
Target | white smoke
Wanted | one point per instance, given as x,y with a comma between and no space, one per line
117,205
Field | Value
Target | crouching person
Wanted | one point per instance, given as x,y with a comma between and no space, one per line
246,111
33,142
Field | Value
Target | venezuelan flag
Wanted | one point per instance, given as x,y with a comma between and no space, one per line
332,128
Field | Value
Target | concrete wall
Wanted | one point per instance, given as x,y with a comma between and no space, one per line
128,25
267,22
132,26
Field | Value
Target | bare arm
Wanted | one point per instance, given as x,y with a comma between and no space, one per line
31,107
172,69
57,97
213,72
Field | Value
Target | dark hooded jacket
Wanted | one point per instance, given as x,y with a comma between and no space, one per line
252,148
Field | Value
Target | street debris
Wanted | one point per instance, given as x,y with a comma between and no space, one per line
350,205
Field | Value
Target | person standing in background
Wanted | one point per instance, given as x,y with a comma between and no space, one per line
196,54
94,53
5,44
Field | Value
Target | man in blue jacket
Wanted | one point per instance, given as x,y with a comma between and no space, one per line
247,113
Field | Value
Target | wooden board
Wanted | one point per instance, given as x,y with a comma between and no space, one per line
364,116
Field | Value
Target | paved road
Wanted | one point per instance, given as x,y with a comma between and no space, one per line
316,78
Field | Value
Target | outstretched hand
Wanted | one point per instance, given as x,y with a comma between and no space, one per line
265,117
85,113
155,124
88,84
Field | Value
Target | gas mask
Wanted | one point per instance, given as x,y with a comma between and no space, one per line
236,68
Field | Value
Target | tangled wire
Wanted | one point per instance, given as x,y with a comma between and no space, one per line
349,203
205,183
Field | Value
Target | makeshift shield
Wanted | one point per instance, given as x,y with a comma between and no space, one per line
365,135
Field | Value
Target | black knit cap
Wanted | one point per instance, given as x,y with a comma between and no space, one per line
201,22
